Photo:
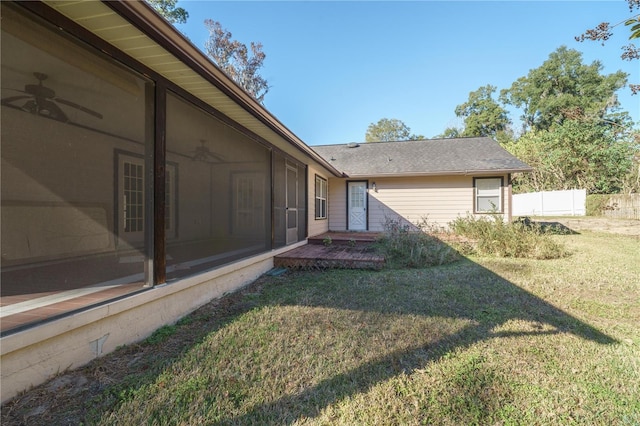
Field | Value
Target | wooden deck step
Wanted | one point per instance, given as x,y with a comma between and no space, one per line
349,238
316,256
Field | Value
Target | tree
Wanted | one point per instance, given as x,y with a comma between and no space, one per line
450,133
604,31
240,63
585,154
482,115
390,129
564,88
169,10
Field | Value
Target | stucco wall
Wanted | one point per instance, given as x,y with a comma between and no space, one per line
438,199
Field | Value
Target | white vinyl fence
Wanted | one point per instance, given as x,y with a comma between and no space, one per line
551,203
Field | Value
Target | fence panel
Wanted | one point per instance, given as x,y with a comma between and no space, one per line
623,206
551,203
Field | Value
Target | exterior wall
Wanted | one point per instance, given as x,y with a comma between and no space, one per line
316,226
337,204
33,356
438,199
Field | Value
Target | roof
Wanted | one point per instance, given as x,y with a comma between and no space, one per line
480,155
136,29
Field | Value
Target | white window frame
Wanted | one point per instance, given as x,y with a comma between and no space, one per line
321,195
136,237
488,188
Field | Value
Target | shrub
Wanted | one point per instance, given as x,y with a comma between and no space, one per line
596,204
406,246
492,236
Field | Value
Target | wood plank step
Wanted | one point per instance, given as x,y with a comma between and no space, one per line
345,237
313,256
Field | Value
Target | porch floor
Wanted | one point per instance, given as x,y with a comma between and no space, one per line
21,310
346,250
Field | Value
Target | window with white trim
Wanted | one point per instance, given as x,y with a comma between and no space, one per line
321,198
488,195
131,198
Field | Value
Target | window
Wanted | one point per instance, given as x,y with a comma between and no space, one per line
488,195
321,198
131,196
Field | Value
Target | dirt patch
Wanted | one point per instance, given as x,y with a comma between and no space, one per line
597,224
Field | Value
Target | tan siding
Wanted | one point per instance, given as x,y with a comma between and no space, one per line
316,226
439,200
337,204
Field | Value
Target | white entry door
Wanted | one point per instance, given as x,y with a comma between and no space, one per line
357,206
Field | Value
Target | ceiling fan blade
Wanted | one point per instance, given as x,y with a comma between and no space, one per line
215,156
79,107
14,98
13,90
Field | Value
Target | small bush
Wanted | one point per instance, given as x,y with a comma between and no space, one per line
405,246
596,204
492,236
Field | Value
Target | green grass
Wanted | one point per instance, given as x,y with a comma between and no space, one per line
483,340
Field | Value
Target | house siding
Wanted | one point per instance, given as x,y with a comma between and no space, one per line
438,199
337,204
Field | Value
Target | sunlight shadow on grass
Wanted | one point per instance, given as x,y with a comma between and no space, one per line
492,308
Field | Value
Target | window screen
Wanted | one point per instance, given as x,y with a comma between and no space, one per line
72,215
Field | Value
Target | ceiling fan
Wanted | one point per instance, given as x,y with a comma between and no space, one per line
203,153
42,100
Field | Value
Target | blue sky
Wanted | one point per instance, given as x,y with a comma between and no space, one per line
335,67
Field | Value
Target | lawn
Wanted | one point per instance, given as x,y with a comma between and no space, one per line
478,341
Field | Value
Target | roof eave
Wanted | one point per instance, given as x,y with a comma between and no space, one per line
166,35
438,173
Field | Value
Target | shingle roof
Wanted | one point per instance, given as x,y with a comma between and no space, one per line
480,155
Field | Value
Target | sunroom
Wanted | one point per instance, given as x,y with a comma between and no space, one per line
138,182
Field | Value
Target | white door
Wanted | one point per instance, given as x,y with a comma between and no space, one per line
248,204
357,206
292,204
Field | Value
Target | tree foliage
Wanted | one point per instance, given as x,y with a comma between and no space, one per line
238,61
170,11
450,133
564,88
584,154
389,129
603,31
482,115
